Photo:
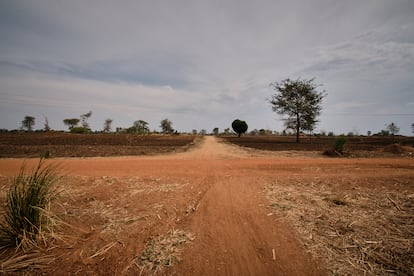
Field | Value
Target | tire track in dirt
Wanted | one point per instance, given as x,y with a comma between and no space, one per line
235,234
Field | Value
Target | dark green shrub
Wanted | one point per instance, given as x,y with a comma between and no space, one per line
27,198
340,143
80,130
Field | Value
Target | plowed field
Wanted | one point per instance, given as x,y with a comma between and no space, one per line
59,144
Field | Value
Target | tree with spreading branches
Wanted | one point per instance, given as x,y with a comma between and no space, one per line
298,100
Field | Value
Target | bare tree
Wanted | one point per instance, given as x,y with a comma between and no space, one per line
393,129
84,119
46,126
107,125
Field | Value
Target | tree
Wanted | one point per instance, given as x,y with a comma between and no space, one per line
46,125
216,131
299,101
28,122
107,125
239,126
412,128
393,129
84,120
71,123
166,126
140,127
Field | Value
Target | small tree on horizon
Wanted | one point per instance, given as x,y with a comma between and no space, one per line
139,126
28,122
239,127
166,126
71,122
216,131
393,129
107,125
299,101
46,125
84,120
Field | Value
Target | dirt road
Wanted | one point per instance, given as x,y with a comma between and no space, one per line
214,191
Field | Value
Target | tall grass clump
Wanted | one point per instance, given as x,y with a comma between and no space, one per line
27,200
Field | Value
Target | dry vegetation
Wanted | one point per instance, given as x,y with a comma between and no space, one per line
354,226
60,144
163,251
354,147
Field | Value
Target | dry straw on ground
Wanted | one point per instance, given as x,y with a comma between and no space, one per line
358,231
162,252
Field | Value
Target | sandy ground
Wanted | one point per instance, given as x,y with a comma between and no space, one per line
215,191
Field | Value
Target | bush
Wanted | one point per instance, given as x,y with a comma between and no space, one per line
27,198
80,130
340,143
338,147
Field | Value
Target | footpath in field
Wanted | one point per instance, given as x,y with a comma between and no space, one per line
235,233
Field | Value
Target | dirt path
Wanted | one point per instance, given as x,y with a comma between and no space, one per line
235,233
216,191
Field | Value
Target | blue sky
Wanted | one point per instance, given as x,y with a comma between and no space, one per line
203,64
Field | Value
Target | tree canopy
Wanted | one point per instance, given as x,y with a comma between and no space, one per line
71,122
299,101
139,126
239,126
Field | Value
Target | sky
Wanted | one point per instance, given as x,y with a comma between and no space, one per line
203,64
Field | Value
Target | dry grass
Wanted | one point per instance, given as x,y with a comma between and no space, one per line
22,261
359,231
162,252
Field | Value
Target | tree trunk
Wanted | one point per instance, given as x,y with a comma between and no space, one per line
297,128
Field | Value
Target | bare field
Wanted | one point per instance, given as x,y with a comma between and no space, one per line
218,209
60,144
373,146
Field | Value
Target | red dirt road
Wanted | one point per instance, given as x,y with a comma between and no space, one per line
221,201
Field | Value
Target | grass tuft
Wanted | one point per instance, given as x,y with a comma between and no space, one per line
27,198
